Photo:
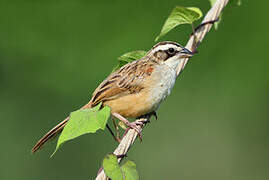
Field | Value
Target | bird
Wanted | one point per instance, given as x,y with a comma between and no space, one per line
137,88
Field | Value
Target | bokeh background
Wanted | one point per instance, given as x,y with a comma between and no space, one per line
53,54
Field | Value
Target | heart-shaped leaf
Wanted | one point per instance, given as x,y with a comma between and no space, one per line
129,171
112,169
180,15
82,122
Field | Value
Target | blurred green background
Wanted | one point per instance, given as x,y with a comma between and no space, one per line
53,54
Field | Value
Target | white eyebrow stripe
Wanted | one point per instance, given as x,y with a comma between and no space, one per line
165,47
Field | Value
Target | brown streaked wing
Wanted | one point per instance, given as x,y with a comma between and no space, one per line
128,79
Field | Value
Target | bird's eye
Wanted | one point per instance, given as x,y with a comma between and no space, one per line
171,50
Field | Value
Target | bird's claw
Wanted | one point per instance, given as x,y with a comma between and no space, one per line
135,125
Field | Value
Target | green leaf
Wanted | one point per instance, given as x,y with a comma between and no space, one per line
112,168
84,121
132,56
180,15
129,171
129,57
212,2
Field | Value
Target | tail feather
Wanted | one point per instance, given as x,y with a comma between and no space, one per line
50,135
55,131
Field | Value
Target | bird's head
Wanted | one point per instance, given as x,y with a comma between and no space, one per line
168,52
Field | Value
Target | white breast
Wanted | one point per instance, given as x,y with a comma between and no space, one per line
164,77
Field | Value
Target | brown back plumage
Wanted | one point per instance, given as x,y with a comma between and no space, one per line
127,80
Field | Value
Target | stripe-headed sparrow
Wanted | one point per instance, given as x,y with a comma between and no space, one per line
137,88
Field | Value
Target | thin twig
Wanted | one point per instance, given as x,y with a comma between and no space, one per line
130,135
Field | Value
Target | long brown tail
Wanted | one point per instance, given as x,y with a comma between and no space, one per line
51,134
54,131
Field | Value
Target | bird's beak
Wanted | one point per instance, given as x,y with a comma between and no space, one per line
185,53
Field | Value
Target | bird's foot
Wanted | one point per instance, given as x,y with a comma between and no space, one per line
136,126
131,125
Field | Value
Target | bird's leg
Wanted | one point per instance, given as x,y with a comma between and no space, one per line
133,125
117,130
146,117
